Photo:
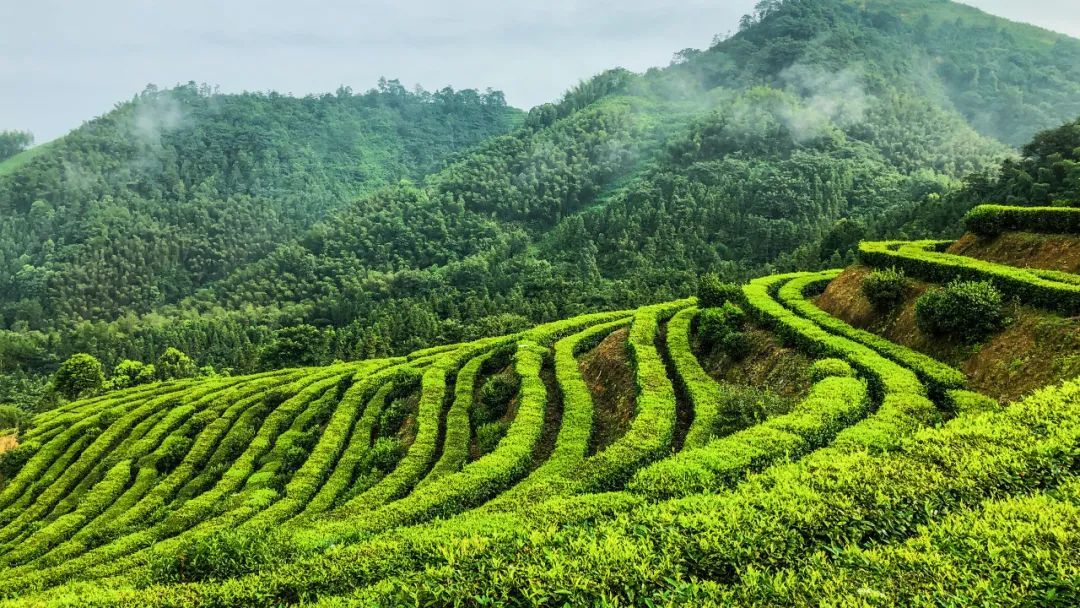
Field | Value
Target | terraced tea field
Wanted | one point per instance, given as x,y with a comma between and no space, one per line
889,483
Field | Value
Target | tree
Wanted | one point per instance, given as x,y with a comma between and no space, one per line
129,373
296,346
80,375
173,363
13,142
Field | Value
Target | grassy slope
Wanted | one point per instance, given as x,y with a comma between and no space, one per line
12,164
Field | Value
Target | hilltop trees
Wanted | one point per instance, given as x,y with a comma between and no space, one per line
13,142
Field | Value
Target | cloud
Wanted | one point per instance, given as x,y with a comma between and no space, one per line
837,98
155,116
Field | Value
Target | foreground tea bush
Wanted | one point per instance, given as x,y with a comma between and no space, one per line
964,310
885,288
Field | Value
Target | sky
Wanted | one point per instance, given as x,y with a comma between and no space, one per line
63,62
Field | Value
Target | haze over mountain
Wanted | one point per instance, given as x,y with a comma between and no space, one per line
103,52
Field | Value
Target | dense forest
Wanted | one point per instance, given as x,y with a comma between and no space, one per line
256,230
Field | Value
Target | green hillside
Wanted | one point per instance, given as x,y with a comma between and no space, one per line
817,124
379,483
165,194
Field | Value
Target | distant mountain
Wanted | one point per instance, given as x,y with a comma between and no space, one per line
819,123
172,190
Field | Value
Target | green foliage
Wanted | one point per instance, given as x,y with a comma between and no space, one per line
714,292
832,405
297,346
938,376
969,402
489,434
620,194
80,375
651,432
965,310
222,178
13,417
883,375
459,429
14,142
173,364
277,489
715,409
394,416
991,220
1057,291
829,368
218,556
130,373
12,461
722,328
384,454
494,398
885,288
187,480
172,452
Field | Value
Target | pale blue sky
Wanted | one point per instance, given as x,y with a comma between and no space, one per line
62,62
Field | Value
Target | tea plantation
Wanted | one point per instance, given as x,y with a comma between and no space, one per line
889,482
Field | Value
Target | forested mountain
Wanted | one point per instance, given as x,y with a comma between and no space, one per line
819,123
170,191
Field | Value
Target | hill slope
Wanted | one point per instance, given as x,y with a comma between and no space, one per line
362,483
819,123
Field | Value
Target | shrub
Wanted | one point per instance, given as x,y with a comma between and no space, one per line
712,292
494,397
824,368
384,454
1050,289
884,375
753,405
832,405
885,288
938,376
736,344
78,376
13,417
969,310
12,461
172,452
720,328
393,417
989,220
